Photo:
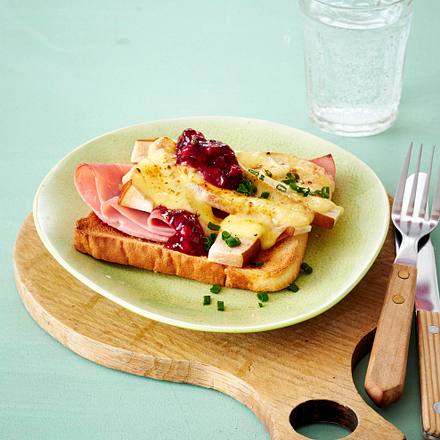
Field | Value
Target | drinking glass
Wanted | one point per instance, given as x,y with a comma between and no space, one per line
354,55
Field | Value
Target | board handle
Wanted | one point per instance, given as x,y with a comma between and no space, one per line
428,332
386,371
354,415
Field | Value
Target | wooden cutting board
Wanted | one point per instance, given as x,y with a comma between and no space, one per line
288,377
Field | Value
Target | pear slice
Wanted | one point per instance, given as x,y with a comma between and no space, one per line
130,197
302,230
326,212
328,219
238,256
140,149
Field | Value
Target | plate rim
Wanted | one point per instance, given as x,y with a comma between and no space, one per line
343,291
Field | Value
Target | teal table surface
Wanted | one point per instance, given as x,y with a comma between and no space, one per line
72,70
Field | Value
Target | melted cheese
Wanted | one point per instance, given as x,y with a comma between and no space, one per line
160,180
170,187
255,229
288,213
279,164
256,165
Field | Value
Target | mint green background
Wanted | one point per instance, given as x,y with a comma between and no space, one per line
72,70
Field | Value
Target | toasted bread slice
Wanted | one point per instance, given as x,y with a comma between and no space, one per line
281,262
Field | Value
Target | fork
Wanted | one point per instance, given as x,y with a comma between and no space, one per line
385,378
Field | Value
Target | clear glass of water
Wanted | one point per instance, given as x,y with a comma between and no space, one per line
354,56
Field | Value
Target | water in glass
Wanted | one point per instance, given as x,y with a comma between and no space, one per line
354,57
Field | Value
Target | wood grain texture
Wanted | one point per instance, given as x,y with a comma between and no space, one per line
307,366
385,378
428,332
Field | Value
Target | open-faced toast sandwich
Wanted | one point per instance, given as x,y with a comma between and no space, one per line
196,209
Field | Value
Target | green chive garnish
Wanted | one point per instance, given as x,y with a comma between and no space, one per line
220,306
256,263
325,192
225,235
292,180
215,288
230,240
306,269
233,241
263,296
293,287
213,226
265,195
268,173
260,304
293,176
206,300
246,187
209,241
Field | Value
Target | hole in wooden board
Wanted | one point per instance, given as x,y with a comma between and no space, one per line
307,414
362,348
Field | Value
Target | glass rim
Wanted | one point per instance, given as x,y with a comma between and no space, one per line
359,8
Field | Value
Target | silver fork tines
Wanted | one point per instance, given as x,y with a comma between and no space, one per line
435,213
424,202
414,225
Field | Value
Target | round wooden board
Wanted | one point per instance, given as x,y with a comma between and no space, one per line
288,377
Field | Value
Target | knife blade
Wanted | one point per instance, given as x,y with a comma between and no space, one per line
427,292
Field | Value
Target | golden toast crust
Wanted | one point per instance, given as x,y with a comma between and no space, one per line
281,262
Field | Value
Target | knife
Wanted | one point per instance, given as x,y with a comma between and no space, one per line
427,308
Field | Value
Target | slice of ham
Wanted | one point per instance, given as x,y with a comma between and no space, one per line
99,186
157,221
327,163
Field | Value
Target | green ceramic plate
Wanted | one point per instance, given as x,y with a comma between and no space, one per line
340,257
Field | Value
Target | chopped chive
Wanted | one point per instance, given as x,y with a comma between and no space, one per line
293,287
263,296
233,241
268,173
265,195
209,241
281,187
293,176
220,306
215,288
261,177
260,304
225,235
256,263
306,269
230,240
292,180
246,187
207,300
325,192
213,226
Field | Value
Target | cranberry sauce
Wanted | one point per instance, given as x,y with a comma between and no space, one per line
188,238
214,159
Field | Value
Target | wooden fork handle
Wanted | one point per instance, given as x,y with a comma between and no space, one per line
428,332
386,371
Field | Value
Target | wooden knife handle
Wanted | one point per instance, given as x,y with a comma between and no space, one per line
386,371
428,332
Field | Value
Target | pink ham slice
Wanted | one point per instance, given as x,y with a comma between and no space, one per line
327,163
157,222
99,186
